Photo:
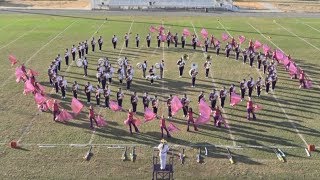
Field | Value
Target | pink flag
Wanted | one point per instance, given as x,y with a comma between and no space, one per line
13,60
161,29
308,84
293,69
204,111
28,87
265,48
49,103
114,106
257,44
76,106
257,107
204,33
43,107
176,105
64,116
163,37
19,74
152,29
137,122
33,73
172,128
235,99
199,43
225,36
149,115
186,32
39,98
242,39
285,60
279,55
41,88
101,121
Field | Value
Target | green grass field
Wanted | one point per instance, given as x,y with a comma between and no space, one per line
289,118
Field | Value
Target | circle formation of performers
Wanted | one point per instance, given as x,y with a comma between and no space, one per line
124,71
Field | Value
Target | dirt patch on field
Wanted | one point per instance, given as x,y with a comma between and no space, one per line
76,4
297,7
249,5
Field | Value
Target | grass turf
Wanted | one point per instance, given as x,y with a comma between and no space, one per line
20,119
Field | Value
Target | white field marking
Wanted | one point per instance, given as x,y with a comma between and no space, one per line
12,76
10,24
297,36
268,39
308,25
213,81
275,97
123,45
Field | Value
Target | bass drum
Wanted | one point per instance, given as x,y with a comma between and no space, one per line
79,62
101,62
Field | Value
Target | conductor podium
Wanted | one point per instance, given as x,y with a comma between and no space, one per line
166,173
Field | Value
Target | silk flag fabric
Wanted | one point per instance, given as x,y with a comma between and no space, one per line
152,29
257,107
76,106
32,72
39,99
186,32
149,115
28,87
235,99
279,55
136,121
225,36
41,88
308,84
176,105
204,33
242,39
64,116
49,103
163,37
161,29
13,60
172,128
257,44
293,69
265,48
101,121
19,74
204,111
114,106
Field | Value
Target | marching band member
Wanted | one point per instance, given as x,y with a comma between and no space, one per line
114,41
259,60
106,94
134,102
145,100
155,104
73,52
164,127
50,74
137,40
223,95
169,107
185,103
237,51
258,86
126,39
87,89
181,64
232,89
161,68
216,116
159,40
120,97
163,149
194,74
201,96
206,44
86,47
55,108
267,84
228,49
130,122
103,79
218,47
213,96
121,74
93,44
183,41
274,79
85,66
129,81
194,41
92,117
264,64
250,109
98,94
168,39
148,38
191,120
243,89
302,78
207,66
175,39
100,42
75,88
66,56
144,69
250,85
58,59
244,56
212,42
82,48
110,74
251,46
251,58
56,80
79,50
63,87
151,72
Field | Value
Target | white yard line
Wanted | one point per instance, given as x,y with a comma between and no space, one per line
40,49
123,45
213,81
296,35
310,26
275,97
268,39
10,24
